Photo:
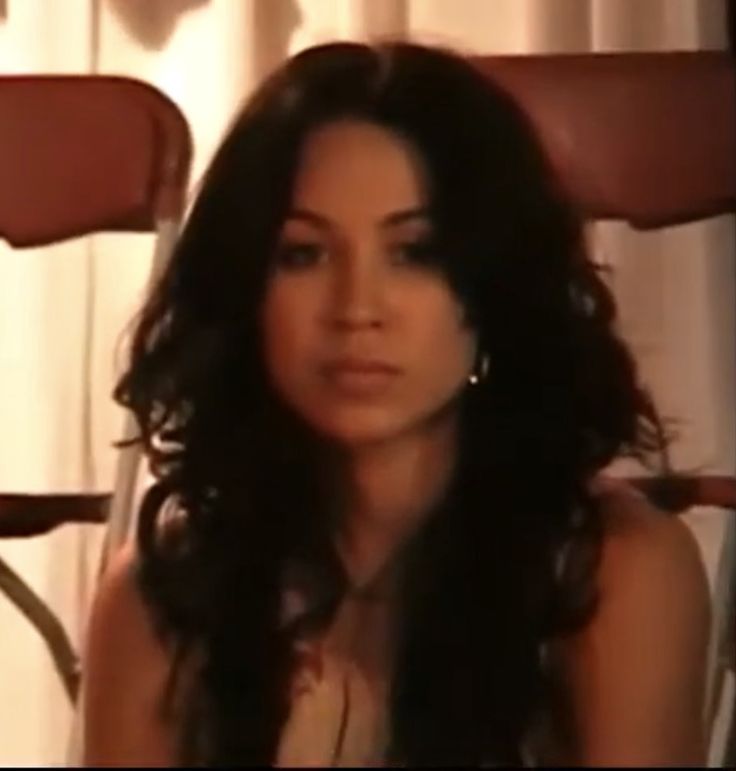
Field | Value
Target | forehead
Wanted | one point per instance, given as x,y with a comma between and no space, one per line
351,164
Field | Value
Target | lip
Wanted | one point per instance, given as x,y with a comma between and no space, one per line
359,378
359,367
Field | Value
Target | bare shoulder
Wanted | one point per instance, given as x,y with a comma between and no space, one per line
120,618
117,597
650,550
637,670
125,673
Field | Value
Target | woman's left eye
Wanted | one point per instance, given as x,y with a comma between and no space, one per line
419,253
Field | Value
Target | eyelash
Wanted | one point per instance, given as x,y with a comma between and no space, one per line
292,255
299,255
420,253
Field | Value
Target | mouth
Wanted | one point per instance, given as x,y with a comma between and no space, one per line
359,377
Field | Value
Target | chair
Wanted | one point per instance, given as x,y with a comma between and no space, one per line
648,138
118,153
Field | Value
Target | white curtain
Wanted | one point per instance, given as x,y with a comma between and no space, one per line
62,309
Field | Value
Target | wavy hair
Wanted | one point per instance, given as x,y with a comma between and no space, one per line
507,560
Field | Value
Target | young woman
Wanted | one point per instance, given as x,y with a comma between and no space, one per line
377,385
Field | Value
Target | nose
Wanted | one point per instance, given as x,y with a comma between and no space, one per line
357,297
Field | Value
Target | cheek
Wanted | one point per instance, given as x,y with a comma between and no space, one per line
448,346
285,331
450,362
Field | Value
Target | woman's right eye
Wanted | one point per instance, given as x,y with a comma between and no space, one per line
298,255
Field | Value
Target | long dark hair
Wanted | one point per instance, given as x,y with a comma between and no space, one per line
507,560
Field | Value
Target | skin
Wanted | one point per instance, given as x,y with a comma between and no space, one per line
346,284
343,285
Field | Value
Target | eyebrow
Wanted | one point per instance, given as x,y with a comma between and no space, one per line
395,218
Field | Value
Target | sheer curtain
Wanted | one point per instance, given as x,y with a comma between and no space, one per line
63,309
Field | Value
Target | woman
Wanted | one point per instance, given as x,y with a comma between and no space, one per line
377,385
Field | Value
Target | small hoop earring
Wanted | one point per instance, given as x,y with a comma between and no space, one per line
481,373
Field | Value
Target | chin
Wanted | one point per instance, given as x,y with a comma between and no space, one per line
356,428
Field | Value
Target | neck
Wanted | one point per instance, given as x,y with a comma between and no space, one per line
385,491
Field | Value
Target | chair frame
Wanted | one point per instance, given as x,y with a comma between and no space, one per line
120,153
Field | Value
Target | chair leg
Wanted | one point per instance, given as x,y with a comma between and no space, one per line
46,624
